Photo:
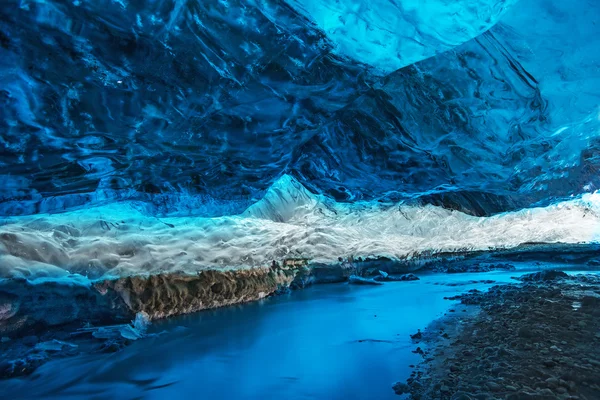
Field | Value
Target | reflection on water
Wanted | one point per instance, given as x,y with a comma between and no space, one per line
326,342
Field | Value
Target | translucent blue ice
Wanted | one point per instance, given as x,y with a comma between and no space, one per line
391,34
198,107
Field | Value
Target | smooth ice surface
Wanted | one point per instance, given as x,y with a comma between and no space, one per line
389,34
121,239
303,345
198,107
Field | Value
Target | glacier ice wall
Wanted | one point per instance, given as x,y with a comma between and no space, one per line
198,107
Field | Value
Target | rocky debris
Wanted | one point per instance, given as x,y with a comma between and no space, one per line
372,266
303,278
418,350
381,277
22,355
586,278
391,278
401,388
473,267
359,280
324,273
472,297
417,336
535,340
546,275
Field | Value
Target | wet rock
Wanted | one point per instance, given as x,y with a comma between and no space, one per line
546,275
402,278
409,277
54,346
461,396
547,393
401,388
474,267
525,332
552,382
590,301
472,297
359,280
417,336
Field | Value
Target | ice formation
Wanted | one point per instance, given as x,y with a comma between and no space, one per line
140,137
389,35
123,239
198,107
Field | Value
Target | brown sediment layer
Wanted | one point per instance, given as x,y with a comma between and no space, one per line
535,340
162,296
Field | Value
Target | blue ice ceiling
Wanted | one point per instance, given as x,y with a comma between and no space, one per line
390,34
483,106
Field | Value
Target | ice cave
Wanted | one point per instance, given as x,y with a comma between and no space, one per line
300,199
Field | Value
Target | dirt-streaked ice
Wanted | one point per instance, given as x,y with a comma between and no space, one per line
121,239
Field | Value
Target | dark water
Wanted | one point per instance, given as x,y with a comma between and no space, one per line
326,342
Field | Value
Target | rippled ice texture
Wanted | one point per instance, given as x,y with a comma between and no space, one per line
200,106
122,239
390,34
